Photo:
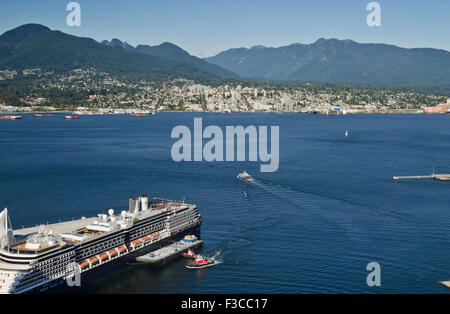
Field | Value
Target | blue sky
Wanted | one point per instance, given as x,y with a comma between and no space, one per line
206,27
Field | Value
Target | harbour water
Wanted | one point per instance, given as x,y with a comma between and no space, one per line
311,227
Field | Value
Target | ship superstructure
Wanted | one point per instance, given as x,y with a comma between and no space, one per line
40,258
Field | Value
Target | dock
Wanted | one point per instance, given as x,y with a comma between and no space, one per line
439,177
168,253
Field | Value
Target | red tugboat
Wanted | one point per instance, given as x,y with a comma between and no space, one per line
42,115
71,117
189,254
201,262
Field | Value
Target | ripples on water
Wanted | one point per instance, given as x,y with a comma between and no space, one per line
312,226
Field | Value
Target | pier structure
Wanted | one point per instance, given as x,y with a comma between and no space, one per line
439,177
168,253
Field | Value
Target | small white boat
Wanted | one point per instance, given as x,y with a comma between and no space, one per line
346,134
244,176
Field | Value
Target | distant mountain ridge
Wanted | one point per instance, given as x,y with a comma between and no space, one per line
173,52
324,61
341,62
35,45
117,43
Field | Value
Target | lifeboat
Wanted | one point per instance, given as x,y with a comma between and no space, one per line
122,249
94,260
146,238
154,235
200,262
103,256
84,265
136,242
113,253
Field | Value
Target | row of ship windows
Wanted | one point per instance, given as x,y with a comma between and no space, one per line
178,222
103,246
51,268
51,264
175,226
149,229
45,275
58,258
184,217
9,274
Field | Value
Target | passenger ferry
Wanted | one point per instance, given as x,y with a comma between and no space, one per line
43,258
244,176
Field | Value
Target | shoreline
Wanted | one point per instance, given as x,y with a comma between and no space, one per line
217,112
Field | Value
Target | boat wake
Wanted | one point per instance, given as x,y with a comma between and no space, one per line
216,257
336,213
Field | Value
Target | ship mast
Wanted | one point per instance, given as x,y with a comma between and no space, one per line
6,232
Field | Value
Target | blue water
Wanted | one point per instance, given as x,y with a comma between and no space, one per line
312,226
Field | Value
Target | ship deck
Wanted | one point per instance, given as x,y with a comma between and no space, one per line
58,228
22,247
73,225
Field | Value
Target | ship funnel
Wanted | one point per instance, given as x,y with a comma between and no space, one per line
144,202
133,204
137,205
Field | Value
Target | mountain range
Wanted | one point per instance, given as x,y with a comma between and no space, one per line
34,45
169,51
341,62
324,61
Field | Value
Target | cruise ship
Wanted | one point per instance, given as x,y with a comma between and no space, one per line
49,257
